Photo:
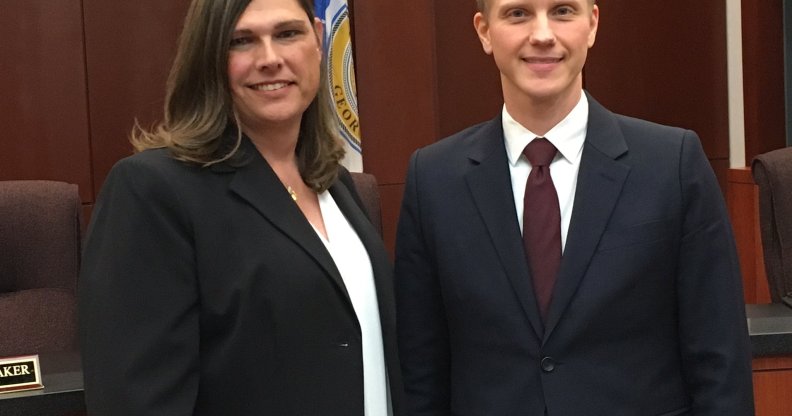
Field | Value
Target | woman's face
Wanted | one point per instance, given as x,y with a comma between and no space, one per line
273,64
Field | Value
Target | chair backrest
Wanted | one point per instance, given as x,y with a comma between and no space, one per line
366,186
39,235
772,172
39,266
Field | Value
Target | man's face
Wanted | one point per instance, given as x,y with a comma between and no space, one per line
539,46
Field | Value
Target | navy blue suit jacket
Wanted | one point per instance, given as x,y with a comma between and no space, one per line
647,316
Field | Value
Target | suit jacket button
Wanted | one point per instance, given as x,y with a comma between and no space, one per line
548,364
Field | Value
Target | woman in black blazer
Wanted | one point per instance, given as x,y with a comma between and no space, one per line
229,268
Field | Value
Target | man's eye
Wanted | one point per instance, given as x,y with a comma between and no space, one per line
516,13
564,11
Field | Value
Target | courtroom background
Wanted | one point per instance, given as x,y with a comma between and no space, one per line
75,74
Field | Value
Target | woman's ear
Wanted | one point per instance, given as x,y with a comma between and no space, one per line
319,31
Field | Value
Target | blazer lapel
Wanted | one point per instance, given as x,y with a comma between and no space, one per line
380,263
256,183
383,279
600,181
489,182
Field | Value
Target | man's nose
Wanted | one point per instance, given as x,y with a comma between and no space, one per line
541,31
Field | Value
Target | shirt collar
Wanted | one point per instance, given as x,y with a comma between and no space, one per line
567,136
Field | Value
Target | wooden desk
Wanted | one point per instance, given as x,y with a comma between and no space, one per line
770,327
62,395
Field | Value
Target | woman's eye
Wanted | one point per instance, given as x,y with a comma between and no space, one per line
288,34
239,41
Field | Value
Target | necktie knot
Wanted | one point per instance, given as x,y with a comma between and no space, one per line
540,152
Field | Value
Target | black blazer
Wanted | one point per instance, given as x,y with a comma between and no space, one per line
647,316
205,291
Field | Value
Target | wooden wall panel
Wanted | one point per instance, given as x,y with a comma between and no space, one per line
763,76
396,87
396,84
468,82
665,63
43,110
742,197
421,76
130,47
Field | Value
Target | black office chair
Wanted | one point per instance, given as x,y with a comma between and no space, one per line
39,265
772,172
366,186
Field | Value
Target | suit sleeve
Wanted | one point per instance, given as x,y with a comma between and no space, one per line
138,298
712,326
421,321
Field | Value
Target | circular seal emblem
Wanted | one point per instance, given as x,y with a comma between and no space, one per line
341,75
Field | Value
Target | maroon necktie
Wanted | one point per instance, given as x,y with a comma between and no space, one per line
541,222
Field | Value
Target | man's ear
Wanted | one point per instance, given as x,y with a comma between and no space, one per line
594,24
482,29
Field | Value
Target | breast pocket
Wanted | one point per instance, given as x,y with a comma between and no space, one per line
639,234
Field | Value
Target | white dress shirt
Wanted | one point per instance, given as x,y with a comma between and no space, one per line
354,264
568,137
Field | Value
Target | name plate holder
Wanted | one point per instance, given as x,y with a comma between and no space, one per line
20,373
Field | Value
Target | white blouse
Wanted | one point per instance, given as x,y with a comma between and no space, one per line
352,261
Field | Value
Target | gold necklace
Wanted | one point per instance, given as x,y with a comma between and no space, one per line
292,193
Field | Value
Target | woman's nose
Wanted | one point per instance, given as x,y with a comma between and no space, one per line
268,56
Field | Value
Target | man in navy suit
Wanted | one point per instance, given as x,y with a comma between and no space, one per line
643,314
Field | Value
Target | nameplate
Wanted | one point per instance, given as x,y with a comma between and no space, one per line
20,373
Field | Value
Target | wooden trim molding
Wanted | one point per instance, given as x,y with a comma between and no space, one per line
742,198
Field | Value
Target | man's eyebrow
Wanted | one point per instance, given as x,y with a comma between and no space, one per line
510,4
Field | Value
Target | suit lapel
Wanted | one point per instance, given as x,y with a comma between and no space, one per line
256,183
489,182
600,181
